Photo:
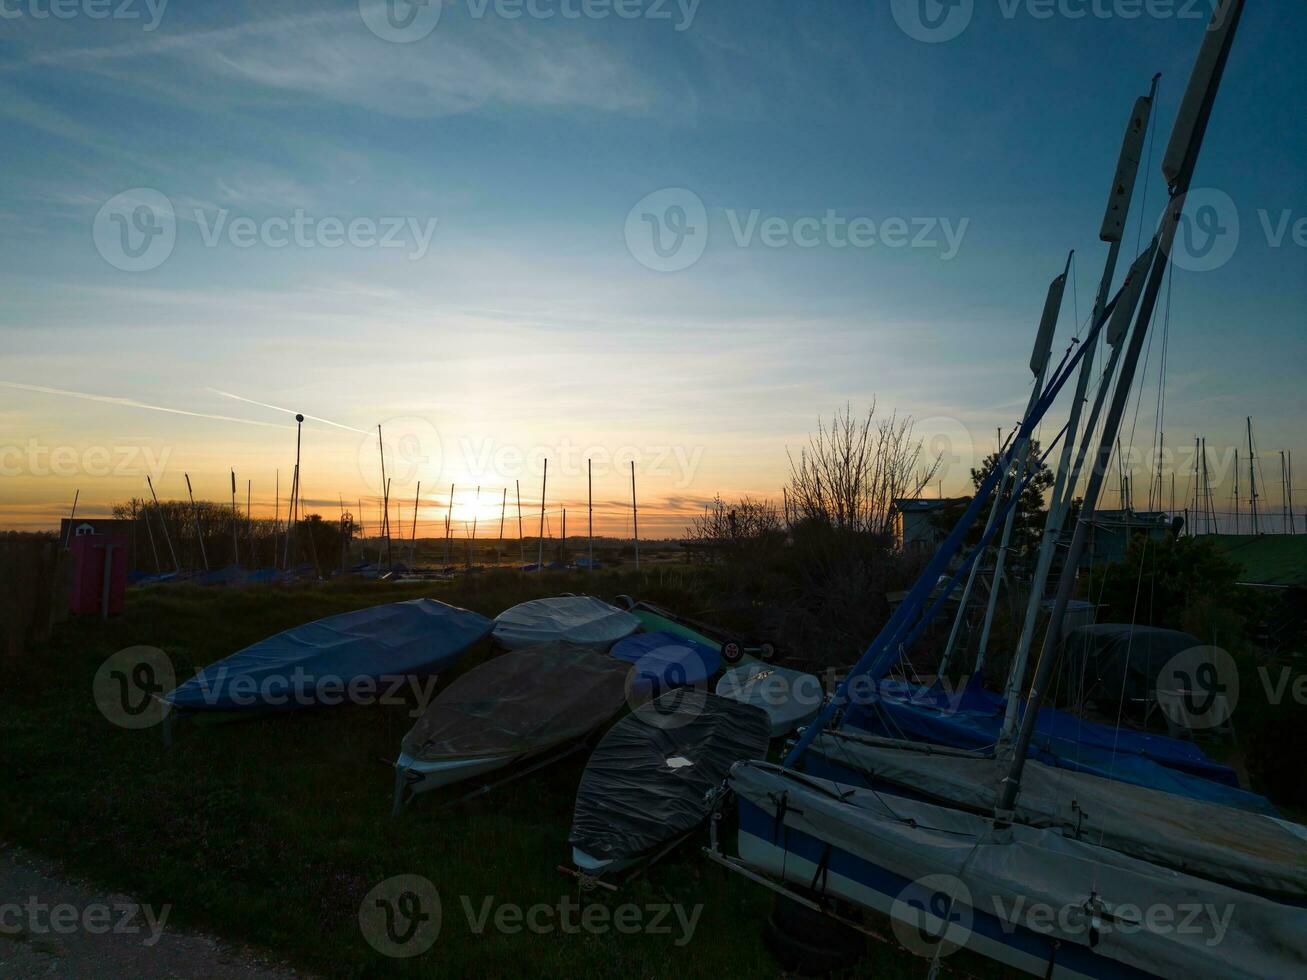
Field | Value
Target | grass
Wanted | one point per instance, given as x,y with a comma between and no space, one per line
271,830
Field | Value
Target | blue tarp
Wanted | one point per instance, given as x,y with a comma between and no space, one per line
316,663
1060,739
971,719
665,660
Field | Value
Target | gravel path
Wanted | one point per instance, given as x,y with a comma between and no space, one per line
54,926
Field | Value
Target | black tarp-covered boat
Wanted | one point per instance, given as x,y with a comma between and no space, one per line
647,783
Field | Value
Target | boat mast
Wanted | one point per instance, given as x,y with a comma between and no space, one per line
413,541
521,539
1039,368
449,525
590,505
540,549
472,541
163,523
1284,493
235,522
195,512
503,512
635,518
1237,512
1178,167
1015,467
1252,477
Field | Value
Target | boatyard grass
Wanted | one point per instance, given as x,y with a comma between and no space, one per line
271,831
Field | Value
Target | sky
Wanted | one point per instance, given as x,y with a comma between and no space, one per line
669,233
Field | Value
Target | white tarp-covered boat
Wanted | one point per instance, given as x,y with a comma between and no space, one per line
1244,850
790,697
578,619
1027,897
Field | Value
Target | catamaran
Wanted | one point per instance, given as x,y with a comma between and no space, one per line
1056,873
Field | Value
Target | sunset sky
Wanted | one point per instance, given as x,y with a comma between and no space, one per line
442,234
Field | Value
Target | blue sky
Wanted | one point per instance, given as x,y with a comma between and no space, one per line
526,321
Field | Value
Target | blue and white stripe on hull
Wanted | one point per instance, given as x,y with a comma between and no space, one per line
869,886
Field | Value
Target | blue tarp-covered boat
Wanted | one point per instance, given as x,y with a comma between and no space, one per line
317,663
972,718
664,661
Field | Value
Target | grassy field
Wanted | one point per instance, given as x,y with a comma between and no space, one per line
271,831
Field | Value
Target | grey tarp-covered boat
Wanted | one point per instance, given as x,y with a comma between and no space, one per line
1244,850
648,780
578,619
1024,896
516,706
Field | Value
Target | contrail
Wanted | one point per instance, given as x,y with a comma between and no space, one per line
288,411
133,403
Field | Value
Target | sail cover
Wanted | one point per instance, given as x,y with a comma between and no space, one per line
972,721
1059,900
1240,849
520,703
647,782
1120,662
579,619
664,661
319,662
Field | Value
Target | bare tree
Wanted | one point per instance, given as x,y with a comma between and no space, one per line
852,471
727,530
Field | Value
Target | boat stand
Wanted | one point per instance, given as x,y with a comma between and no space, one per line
514,777
589,882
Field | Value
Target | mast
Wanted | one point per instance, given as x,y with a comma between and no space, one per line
149,532
503,512
163,523
294,489
449,525
235,522
635,518
1237,513
1252,477
195,512
1179,169
1039,368
521,540
1293,523
1068,471
590,505
472,542
385,497
1015,467
249,524
540,553
1284,494
1213,523
72,515
413,541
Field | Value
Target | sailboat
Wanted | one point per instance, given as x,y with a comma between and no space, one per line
979,720
1053,873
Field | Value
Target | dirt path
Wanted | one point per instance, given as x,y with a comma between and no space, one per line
53,926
